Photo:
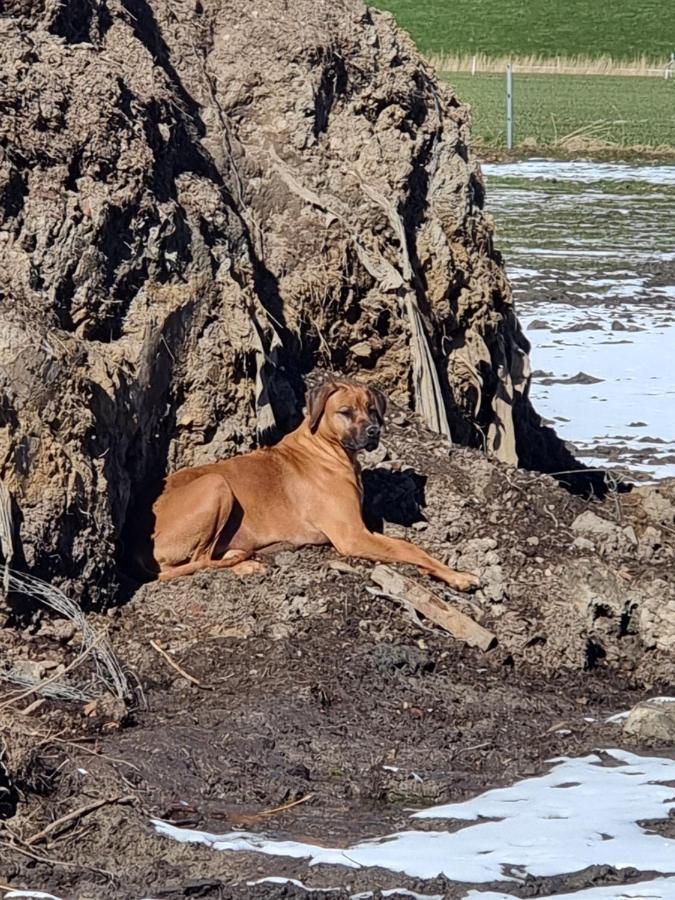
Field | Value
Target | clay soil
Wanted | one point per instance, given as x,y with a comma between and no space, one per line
309,686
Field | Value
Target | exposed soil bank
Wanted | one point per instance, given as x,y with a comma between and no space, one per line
199,204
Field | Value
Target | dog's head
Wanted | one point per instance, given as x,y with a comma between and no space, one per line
350,413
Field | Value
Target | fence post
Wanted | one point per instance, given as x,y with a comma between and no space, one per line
509,106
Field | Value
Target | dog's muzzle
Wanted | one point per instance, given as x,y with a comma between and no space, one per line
368,439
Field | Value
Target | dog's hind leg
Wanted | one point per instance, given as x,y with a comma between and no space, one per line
237,560
189,522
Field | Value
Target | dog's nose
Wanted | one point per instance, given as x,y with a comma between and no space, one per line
372,431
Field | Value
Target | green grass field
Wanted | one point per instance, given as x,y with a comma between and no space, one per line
563,110
622,29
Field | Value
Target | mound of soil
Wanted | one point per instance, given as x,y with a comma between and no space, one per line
312,689
198,204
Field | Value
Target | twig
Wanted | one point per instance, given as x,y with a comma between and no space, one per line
36,688
54,862
254,818
36,704
75,814
174,665
552,515
111,759
280,809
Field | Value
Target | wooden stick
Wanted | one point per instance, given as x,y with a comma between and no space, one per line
280,809
456,623
36,704
74,814
174,665
50,860
255,818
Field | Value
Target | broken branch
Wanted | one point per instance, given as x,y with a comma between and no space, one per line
73,815
174,665
456,623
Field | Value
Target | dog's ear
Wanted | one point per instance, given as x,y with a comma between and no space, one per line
316,401
380,401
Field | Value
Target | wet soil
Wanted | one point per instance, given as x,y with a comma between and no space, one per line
321,712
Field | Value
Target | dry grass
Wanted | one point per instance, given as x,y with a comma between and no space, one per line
107,676
542,65
571,112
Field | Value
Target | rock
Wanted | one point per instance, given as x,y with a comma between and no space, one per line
650,544
656,505
533,541
579,378
374,457
657,615
61,630
582,543
652,720
286,558
362,350
36,670
581,326
610,537
109,709
618,325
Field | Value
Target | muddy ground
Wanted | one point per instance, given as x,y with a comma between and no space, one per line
309,686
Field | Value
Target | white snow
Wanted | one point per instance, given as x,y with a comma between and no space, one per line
580,813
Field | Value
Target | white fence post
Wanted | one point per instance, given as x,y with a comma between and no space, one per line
509,107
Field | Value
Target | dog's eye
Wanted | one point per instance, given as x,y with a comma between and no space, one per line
346,411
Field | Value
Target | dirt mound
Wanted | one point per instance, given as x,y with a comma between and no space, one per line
308,687
199,204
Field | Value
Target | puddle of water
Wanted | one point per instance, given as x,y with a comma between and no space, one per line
535,827
577,255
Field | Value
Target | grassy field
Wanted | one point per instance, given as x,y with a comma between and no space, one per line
622,29
566,111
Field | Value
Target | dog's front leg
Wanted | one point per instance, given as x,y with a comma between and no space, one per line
366,545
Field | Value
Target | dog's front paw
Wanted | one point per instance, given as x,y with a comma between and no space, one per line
464,581
249,567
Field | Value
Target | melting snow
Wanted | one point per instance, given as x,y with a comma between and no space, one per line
579,814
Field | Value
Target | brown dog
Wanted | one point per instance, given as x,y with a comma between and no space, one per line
304,490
